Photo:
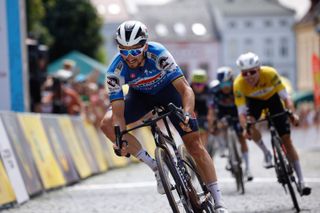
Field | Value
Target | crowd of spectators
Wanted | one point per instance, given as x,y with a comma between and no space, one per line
67,91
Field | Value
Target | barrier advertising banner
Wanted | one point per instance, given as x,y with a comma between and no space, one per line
77,153
22,152
106,151
60,148
96,145
85,143
6,192
50,173
116,160
11,165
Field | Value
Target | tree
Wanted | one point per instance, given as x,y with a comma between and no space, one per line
75,25
35,17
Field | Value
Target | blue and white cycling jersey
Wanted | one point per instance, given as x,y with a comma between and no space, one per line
158,71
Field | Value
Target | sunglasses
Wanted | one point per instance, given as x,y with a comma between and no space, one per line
248,73
133,52
226,84
198,84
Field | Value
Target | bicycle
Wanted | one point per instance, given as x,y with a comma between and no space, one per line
283,168
234,156
184,188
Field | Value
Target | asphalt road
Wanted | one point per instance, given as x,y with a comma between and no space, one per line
133,189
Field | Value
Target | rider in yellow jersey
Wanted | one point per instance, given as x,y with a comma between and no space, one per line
256,88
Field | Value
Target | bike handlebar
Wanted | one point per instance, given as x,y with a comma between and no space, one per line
268,118
149,122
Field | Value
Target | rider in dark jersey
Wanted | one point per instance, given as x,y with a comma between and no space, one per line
199,86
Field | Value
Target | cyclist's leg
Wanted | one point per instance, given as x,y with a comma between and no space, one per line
193,144
255,108
135,109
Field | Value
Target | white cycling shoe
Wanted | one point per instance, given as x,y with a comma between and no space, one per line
160,188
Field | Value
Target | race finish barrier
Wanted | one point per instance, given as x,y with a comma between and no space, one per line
40,152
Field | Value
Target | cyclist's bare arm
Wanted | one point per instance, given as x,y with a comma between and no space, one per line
288,103
186,92
118,114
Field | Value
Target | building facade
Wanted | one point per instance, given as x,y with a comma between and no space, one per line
264,27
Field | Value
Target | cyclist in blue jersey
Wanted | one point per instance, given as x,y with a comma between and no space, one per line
223,105
154,79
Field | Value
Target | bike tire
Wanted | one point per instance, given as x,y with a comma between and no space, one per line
282,163
236,167
171,182
197,183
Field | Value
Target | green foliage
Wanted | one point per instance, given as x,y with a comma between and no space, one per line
74,25
35,16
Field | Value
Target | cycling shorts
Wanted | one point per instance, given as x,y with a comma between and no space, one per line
138,104
274,105
233,112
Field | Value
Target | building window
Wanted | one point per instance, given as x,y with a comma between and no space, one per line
248,44
268,49
204,66
232,49
185,70
267,23
283,23
284,47
232,24
248,24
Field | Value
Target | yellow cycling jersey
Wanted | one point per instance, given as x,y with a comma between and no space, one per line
269,84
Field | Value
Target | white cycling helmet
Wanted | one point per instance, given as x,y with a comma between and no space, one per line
224,74
248,61
131,33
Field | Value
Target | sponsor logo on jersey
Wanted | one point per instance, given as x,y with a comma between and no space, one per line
165,63
113,83
118,69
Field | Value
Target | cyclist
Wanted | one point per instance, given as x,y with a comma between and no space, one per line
256,88
222,105
199,86
154,78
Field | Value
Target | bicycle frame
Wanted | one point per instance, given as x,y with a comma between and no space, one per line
283,168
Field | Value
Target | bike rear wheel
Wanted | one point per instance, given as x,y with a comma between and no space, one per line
283,164
235,162
173,186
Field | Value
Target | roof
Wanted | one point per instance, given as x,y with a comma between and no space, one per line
178,20
83,63
251,7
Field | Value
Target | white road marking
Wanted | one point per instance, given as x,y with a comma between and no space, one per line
153,184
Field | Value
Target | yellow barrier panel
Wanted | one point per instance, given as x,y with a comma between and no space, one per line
94,140
60,147
6,192
106,152
76,151
117,161
146,139
50,173
23,153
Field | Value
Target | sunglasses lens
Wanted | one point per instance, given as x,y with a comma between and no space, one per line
133,52
249,73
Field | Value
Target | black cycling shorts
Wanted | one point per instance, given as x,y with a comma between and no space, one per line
274,105
233,112
138,104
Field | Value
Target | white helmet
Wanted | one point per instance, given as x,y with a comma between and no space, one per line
132,32
248,61
224,74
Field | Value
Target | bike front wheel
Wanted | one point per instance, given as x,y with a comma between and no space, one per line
173,186
282,164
